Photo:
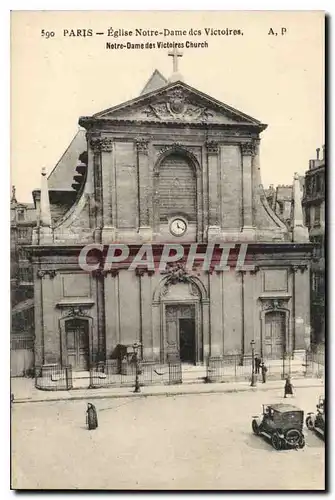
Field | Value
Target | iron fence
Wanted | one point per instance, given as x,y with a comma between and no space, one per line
53,377
233,368
150,373
315,363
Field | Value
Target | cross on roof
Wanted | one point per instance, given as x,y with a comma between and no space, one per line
175,54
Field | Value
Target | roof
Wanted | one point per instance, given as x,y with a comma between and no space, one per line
61,177
283,408
155,82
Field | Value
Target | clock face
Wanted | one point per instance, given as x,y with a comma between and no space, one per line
178,227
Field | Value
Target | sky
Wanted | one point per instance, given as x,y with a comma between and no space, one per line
278,80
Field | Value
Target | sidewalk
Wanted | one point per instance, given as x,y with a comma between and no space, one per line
25,391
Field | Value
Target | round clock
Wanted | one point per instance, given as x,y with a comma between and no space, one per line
178,227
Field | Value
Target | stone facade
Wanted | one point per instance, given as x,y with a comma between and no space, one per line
172,154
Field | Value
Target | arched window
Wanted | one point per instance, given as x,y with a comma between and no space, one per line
177,188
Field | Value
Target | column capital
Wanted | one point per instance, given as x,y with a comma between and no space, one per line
212,147
300,267
248,148
104,144
142,271
142,145
42,273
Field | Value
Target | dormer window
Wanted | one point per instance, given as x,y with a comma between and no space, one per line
20,214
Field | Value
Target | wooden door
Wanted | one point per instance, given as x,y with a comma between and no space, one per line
274,339
77,344
180,331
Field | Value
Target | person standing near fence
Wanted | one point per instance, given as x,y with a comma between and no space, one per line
257,364
91,417
264,371
288,389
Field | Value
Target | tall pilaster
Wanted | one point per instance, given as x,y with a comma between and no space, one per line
100,301
144,181
112,317
216,314
146,333
248,151
96,144
213,190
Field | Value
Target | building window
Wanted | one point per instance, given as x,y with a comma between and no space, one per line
307,218
318,283
317,212
20,214
23,233
26,274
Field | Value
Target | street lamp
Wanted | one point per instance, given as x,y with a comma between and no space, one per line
136,347
253,377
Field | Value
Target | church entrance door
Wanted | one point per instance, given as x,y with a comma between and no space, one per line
77,344
181,331
187,340
274,341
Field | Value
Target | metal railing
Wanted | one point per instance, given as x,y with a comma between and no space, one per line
231,367
112,373
53,377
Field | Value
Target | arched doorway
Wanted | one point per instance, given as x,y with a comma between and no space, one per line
274,340
181,314
77,343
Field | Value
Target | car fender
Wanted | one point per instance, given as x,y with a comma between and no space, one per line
312,416
258,419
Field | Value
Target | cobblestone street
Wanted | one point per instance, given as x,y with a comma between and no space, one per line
176,442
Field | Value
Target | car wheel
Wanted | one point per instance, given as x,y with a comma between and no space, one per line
309,423
255,427
276,442
292,437
301,443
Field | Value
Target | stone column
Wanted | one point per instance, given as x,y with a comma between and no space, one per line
249,304
158,347
216,313
100,302
301,310
213,190
248,151
97,202
146,312
38,320
144,191
48,343
108,189
206,330
112,320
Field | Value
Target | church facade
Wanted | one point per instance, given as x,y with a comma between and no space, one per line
171,166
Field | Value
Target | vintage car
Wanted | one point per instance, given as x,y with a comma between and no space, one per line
282,424
316,421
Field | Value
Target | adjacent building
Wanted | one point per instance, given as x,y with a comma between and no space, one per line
314,209
23,220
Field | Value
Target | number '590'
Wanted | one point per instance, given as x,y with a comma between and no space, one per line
47,34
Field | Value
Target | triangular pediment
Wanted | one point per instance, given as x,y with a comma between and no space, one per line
177,102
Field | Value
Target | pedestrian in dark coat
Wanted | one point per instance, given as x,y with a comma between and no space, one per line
257,364
264,370
288,389
91,416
